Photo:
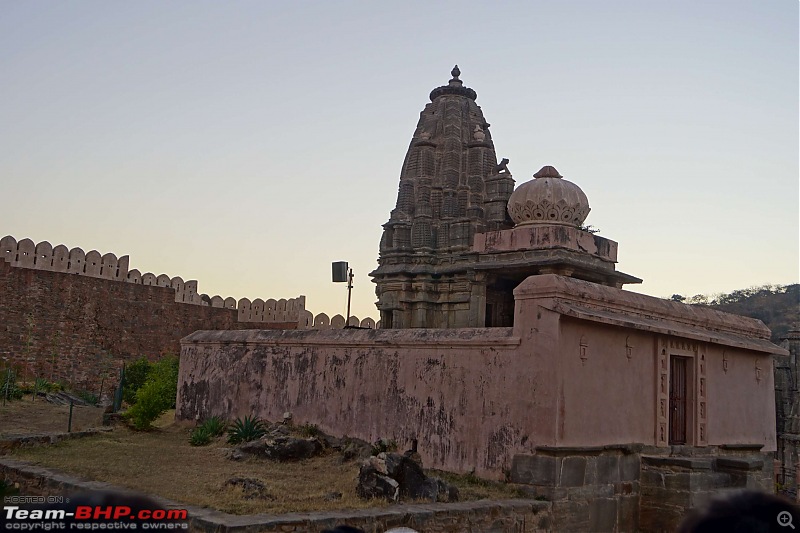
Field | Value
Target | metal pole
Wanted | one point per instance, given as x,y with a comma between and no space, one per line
349,291
69,425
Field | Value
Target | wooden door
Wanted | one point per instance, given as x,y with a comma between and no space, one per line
678,389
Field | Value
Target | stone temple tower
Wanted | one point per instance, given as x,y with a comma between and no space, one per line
450,255
451,188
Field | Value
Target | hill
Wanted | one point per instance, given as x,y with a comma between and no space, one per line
777,306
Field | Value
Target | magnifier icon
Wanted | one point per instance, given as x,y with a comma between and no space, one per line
785,519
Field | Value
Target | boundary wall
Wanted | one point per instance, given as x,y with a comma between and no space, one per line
43,256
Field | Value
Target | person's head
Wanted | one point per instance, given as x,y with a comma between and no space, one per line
745,511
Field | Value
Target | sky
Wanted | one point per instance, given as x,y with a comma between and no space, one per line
247,145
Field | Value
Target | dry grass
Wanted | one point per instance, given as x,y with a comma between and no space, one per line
162,462
23,417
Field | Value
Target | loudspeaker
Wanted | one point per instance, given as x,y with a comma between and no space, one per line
339,271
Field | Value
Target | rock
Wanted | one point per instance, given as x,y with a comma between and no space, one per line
392,462
414,456
413,481
371,484
234,454
251,487
287,417
332,496
355,449
277,430
378,464
447,493
283,448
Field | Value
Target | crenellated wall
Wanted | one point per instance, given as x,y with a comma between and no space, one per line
44,256
75,316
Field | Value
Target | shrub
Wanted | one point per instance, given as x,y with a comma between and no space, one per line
245,430
215,426
199,436
42,385
135,377
88,397
8,385
202,434
156,395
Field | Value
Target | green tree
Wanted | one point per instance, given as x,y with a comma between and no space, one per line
157,394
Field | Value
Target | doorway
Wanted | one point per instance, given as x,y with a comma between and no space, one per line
678,399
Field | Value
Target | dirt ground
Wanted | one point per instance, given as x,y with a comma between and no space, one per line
24,417
162,462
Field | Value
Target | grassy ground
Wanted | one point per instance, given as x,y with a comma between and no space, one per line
162,462
23,417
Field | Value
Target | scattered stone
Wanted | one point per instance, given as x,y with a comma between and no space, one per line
251,487
371,484
277,430
352,448
287,417
234,454
283,448
377,471
333,496
64,398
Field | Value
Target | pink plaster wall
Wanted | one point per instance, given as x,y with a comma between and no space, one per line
428,385
743,410
475,397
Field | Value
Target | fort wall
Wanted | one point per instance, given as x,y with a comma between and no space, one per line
80,329
93,264
75,316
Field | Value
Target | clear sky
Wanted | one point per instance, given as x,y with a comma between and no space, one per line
249,144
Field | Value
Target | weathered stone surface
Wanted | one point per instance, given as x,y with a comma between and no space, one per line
393,463
534,469
573,470
739,463
629,467
607,469
352,448
602,515
628,514
413,481
372,484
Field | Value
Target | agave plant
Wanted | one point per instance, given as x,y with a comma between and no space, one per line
215,426
246,429
200,436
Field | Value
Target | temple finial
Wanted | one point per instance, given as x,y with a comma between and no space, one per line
455,72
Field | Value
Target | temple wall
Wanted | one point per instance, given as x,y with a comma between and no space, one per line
448,389
602,387
582,367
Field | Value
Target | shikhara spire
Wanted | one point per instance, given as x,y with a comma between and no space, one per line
450,255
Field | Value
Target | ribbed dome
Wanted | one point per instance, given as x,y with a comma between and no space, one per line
548,199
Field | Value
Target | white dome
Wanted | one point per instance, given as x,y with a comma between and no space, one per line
548,199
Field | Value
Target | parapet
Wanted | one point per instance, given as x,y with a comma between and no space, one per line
43,256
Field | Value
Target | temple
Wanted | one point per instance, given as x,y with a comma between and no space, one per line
450,255
507,349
